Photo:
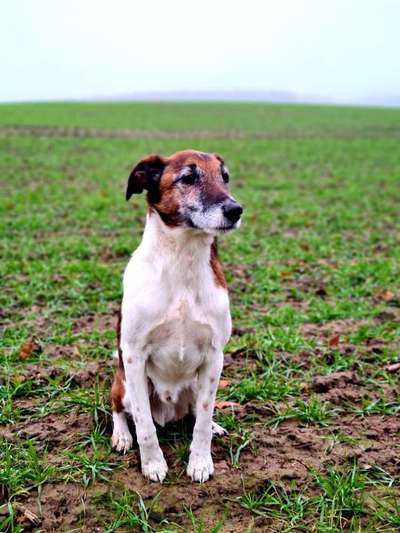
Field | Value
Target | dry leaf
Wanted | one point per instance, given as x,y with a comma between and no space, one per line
221,404
387,296
223,383
28,348
333,341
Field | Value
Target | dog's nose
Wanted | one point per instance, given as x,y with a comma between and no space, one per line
232,210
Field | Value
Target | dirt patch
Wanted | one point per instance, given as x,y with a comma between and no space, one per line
98,322
187,134
338,387
238,359
285,455
79,376
335,336
62,507
288,454
50,430
60,351
327,330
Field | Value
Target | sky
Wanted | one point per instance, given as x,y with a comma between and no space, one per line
344,51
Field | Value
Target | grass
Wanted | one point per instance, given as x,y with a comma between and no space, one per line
339,503
314,281
22,468
311,411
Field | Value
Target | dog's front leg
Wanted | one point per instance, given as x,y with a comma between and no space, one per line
152,459
200,466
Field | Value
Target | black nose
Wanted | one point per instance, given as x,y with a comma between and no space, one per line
232,210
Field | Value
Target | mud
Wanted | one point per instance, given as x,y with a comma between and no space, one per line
288,454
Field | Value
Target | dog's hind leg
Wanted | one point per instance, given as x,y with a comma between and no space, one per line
121,437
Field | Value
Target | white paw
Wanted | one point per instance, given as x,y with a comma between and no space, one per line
155,469
218,430
121,440
200,467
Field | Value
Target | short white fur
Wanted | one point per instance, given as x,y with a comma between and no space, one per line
175,323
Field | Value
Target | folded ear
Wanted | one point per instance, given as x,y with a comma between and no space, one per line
145,175
220,159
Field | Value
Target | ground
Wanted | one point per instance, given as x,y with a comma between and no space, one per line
310,391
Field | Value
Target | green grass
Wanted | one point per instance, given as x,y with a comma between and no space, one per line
317,256
311,411
339,503
275,120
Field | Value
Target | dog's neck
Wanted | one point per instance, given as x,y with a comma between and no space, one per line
179,244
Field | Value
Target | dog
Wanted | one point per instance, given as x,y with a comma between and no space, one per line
175,317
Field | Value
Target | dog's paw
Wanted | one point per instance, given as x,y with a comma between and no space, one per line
121,440
218,430
155,469
200,467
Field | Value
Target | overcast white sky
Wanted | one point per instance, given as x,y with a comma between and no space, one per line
342,50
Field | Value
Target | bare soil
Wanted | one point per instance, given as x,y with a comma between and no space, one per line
291,452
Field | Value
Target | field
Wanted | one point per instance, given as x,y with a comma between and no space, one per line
314,275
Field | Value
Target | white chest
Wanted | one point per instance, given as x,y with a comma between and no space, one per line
177,345
173,313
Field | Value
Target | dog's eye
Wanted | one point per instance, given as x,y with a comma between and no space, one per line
189,179
225,176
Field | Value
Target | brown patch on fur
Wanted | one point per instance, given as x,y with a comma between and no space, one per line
167,199
118,388
118,330
118,391
218,273
167,204
205,406
146,175
190,157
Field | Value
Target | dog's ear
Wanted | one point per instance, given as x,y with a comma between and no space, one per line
146,175
220,159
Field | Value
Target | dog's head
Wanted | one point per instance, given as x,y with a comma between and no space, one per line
188,189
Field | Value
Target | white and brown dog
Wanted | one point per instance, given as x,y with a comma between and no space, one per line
175,317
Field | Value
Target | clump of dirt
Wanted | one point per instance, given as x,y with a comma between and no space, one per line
332,328
40,374
62,506
55,351
338,386
99,322
242,357
86,374
50,430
